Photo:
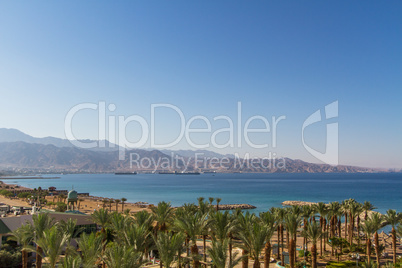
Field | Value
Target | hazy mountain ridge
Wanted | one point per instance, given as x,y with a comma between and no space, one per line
22,155
21,151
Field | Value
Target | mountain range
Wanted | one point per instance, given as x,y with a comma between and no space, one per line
20,152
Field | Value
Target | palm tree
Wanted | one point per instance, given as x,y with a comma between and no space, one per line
244,221
24,236
354,210
123,200
163,214
253,238
224,225
168,246
345,209
269,221
292,221
334,208
307,212
91,247
218,200
367,206
101,217
138,237
104,202
280,216
144,218
119,223
192,225
72,262
69,228
111,201
378,222
313,232
52,243
211,200
122,257
117,201
204,209
321,209
392,218
368,229
219,254
41,222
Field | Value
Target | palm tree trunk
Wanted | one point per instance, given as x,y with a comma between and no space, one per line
194,252
351,224
346,224
204,238
39,252
267,257
278,231
187,246
230,249
179,259
368,249
282,241
394,245
244,262
24,258
294,247
377,248
325,237
256,263
314,256
291,253
321,237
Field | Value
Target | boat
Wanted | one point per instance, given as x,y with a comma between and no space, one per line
187,173
125,173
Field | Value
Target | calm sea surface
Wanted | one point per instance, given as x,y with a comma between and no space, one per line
384,190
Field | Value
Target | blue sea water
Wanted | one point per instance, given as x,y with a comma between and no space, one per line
261,190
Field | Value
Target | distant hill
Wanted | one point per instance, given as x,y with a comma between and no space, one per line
22,155
15,135
19,151
49,158
191,153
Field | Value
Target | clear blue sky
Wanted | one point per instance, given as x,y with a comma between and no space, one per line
278,58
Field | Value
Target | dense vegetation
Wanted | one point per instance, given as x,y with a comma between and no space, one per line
129,241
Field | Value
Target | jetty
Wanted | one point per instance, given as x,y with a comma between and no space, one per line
297,203
235,206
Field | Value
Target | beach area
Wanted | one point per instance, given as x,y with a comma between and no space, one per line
89,204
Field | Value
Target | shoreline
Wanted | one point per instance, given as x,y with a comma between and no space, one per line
27,178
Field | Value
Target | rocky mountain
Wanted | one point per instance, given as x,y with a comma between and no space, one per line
15,135
50,158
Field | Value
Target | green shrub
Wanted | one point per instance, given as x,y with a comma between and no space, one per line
301,253
8,259
23,195
61,207
334,264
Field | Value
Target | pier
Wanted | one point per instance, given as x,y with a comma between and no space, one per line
235,206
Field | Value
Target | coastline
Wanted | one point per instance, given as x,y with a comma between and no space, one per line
27,178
